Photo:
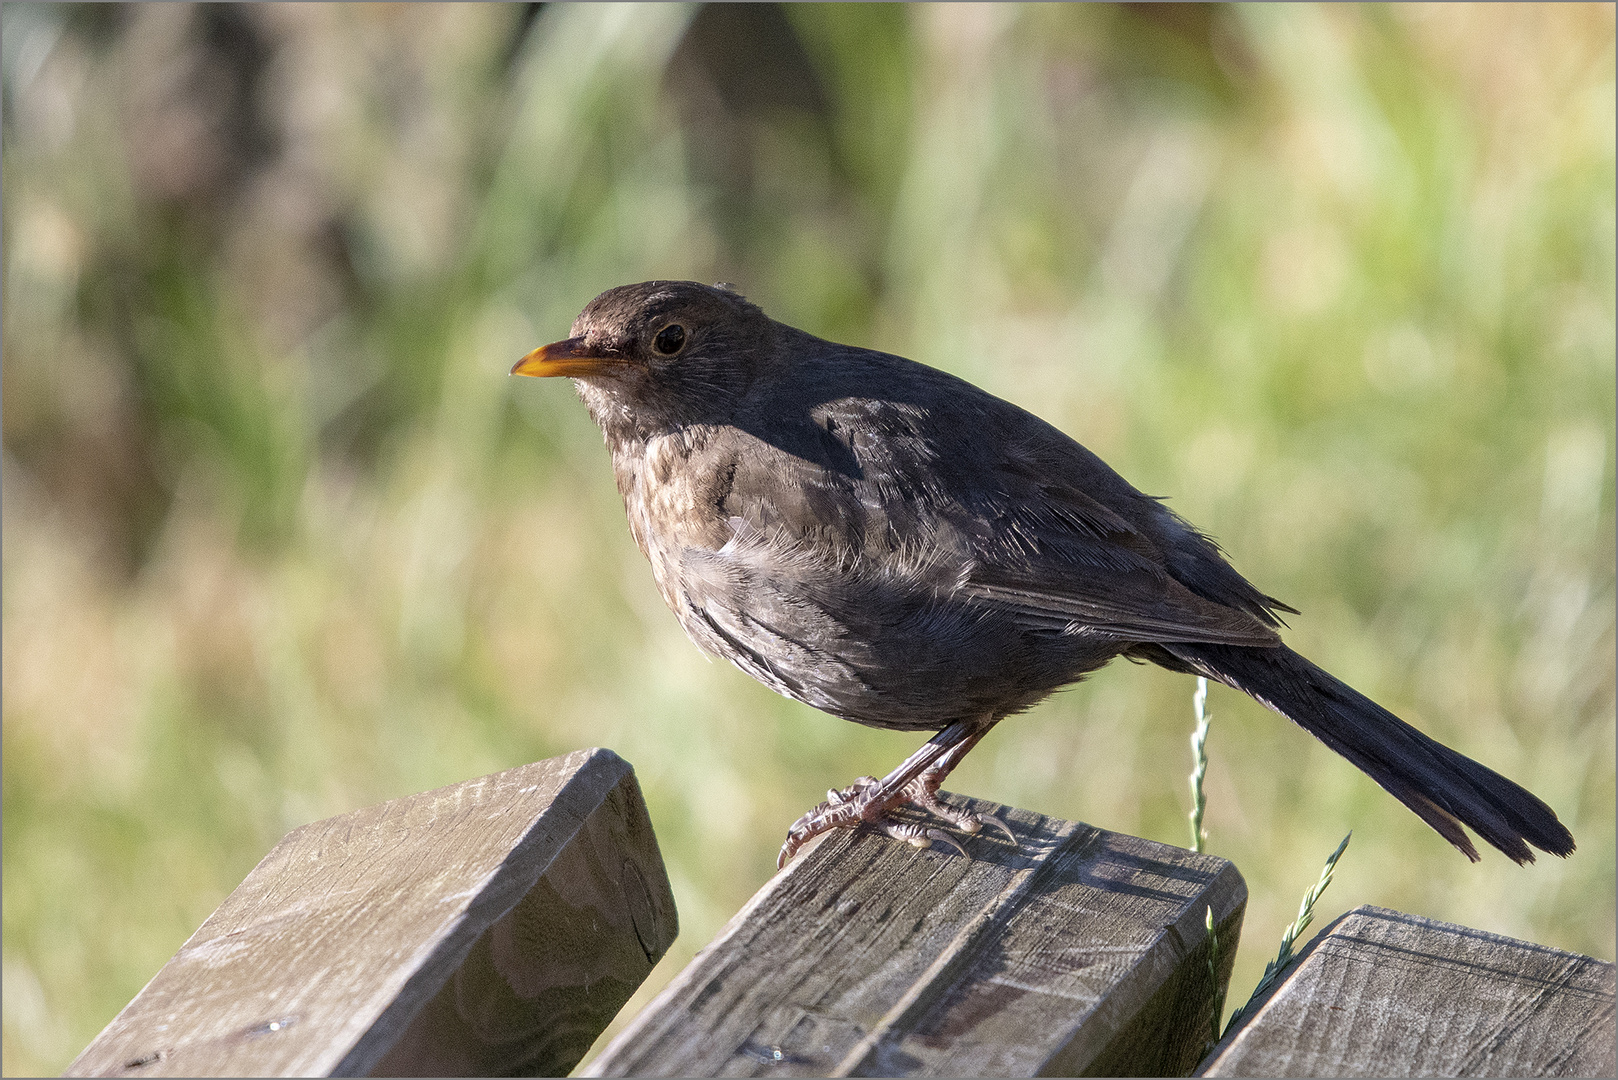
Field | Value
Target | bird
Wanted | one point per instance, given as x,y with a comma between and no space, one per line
895,546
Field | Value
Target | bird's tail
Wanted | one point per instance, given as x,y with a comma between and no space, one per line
1446,789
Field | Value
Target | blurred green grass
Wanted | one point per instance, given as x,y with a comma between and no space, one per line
281,539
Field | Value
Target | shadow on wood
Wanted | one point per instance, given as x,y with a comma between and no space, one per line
1082,951
492,926
1381,993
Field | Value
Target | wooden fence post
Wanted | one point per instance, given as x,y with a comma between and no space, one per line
1381,993
492,926
1079,951
496,926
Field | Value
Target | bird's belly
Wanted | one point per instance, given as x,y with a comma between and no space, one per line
879,656
888,642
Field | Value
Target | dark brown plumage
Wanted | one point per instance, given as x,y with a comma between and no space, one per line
892,545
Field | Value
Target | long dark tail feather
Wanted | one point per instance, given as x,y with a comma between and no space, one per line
1444,788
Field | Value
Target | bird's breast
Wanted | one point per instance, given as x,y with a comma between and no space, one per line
672,487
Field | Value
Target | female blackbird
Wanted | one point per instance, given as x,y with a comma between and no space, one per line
894,546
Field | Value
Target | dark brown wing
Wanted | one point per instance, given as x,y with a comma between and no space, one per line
881,455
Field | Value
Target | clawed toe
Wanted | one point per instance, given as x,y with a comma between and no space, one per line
917,836
923,792
1005,830
972,823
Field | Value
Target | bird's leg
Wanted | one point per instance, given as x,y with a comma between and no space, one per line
916,780
923,791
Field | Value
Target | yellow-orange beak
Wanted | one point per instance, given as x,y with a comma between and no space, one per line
568,357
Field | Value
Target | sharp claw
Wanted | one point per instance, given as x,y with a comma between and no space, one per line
990,819
945,838
794,843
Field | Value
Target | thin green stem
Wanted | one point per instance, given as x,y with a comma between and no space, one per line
1213,975
1199,758
1306,915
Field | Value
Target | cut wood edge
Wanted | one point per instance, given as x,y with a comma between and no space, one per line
187,1017
1170,972
636,1028
1261,1005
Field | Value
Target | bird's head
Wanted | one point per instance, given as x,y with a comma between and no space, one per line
659,354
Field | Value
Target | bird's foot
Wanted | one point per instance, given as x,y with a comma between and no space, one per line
865,803
923,792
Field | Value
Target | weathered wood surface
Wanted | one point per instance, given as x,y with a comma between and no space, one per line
1081,951
1380,993
492,926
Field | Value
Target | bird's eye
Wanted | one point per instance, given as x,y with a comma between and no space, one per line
670,339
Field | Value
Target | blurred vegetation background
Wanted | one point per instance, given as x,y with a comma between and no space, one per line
281,539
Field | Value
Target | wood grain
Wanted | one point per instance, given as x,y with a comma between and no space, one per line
1380,993
1080,951
491,926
